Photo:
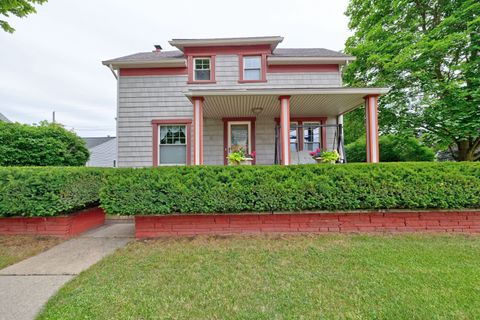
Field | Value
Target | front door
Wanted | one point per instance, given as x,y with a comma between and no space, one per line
239,136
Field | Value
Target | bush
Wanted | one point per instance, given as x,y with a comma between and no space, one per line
292,188
47,144
393,148
44,191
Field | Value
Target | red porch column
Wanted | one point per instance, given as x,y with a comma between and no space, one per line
371,124
285,129
197,130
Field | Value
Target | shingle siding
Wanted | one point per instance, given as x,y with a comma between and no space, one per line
144,98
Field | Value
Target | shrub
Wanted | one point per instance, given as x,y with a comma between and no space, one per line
393,148
47,144
226,189
41,191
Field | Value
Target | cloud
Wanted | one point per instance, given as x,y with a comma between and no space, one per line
53,60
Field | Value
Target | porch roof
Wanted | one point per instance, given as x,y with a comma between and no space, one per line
305,102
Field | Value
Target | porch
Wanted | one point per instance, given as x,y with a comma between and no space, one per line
279,126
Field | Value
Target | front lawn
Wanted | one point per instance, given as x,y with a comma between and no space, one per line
280,277
16,248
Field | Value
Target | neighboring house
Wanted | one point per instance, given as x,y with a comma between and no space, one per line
103,151
196,104
3,118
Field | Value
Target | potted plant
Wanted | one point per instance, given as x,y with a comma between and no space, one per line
239,156
325,156
316,155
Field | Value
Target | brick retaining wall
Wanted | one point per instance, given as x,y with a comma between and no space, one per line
60,226
395,222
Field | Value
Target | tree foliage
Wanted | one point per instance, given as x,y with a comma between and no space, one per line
428,52
393,148
48,144
19,8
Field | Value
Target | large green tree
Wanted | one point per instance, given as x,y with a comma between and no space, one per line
18,8
47,144
428,53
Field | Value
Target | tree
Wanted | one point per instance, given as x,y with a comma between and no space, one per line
393,148
428,52
19,8
47,144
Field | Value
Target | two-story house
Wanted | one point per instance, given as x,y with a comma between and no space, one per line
196,104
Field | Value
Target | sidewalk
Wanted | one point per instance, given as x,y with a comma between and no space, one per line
26,286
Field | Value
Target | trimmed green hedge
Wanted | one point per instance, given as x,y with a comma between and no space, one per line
293,188
47,191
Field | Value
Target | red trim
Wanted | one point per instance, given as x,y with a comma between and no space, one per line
372,128
190,68
133,72
285,157
303,68
263,59
213,50
156,123
225,135
200,133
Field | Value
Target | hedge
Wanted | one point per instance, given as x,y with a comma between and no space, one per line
47,191
232,189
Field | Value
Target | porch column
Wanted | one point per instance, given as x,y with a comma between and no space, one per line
371,124
285,129
197,130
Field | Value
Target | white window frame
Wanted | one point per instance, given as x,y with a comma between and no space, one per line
259,69
297,142
229,144
160,144
195,68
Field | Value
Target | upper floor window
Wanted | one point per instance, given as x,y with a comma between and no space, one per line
252,68
202,69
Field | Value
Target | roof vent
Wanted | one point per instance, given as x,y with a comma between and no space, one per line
158,48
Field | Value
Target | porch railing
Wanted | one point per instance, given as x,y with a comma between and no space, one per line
306,138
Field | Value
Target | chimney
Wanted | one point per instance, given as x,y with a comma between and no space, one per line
158,48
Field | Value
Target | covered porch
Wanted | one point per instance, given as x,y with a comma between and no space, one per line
278,126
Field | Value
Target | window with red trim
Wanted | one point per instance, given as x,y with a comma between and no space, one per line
172,146
252,68
201,69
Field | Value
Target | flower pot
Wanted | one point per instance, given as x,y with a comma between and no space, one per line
246,162
318,160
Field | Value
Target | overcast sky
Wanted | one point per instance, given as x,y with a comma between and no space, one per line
53,60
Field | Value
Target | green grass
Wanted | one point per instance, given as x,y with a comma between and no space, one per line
284,277
17,248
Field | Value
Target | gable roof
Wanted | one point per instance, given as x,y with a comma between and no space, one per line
3,118
95,141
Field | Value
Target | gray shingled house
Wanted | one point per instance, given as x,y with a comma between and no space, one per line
210,97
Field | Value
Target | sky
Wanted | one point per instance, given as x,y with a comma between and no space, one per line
52,62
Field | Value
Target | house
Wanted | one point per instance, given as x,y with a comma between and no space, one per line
196,104
103,151
3,118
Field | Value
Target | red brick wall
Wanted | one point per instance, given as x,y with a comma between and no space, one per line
61,226
418,221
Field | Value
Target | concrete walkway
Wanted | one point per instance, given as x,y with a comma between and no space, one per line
26,286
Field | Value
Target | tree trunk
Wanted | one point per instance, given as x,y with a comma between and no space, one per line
465,151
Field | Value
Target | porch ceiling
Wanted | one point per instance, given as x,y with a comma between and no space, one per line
304,102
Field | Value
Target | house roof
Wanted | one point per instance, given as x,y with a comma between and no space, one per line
273,41
95,141
3,118
176,58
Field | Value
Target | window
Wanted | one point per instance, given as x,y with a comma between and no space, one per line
202,69
312,135
252,68
293,137
173,144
